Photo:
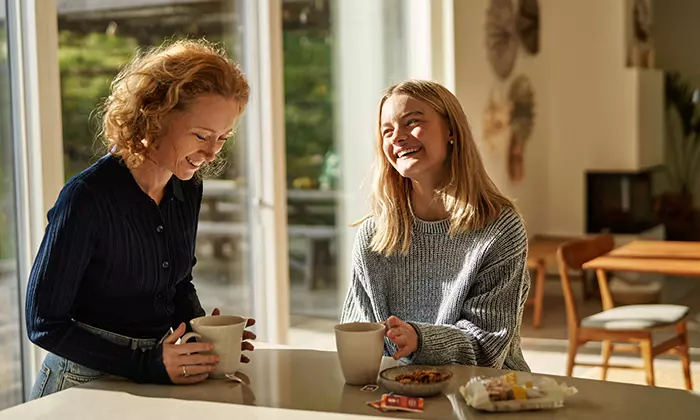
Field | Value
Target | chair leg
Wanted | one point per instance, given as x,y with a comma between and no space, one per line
607,351
684,353
648,358
570,362
685,361
539,294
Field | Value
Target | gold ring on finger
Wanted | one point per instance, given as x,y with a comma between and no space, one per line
184,370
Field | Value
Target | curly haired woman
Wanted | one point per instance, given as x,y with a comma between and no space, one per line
442,256
113,274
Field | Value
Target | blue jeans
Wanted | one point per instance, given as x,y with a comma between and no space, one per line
58,373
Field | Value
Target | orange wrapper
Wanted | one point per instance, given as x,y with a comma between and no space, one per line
402,403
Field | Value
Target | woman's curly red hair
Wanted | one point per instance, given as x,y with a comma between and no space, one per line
163,79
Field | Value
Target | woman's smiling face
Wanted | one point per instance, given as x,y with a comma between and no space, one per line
193,137
415,137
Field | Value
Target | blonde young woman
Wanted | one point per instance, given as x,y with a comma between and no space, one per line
441,258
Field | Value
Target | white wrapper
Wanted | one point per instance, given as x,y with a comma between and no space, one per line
552,394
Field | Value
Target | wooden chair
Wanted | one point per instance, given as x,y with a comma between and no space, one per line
542,251
632,328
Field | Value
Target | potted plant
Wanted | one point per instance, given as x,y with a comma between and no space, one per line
682,149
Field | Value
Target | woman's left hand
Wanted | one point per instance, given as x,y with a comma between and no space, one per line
247,335
403,335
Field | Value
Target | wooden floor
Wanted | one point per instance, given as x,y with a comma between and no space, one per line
666,375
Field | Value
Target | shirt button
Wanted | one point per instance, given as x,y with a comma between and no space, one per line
160,295
159,228
165,264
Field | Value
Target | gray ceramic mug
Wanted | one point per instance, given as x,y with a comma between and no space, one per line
360,348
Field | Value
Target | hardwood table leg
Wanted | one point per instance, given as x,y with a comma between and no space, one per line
541,272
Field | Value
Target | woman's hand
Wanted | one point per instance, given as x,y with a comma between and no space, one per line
403,335
247,335
183,362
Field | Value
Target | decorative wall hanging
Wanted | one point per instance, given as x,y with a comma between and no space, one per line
641,49
642,21
501,37
496,119
528,25
522,121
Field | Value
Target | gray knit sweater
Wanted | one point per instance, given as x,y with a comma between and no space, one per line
464,295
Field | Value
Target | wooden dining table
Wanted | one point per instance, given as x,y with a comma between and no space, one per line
660,257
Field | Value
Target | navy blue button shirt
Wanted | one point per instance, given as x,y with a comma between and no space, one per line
114,259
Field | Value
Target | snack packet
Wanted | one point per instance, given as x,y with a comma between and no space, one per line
515,392
376,405
391,402
402,403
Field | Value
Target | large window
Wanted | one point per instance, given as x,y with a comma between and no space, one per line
95,39
10,347
338,56
311,158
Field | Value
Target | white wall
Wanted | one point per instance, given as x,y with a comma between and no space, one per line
651,121
474,81
591,111
593,124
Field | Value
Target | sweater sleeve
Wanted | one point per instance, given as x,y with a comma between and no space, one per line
490,316
65,252
358,306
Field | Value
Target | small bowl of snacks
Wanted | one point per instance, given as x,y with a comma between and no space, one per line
415,380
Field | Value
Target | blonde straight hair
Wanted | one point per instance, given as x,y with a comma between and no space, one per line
470,197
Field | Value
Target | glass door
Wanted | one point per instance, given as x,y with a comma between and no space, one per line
10,320
338,56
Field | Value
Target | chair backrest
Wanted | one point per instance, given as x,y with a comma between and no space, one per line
571,255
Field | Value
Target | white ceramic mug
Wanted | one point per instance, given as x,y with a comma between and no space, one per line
360,348
225,332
